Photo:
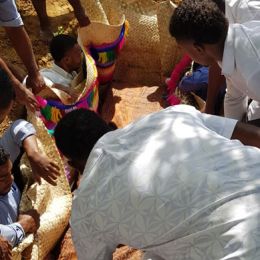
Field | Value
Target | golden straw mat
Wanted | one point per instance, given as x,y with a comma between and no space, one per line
150,52
52,202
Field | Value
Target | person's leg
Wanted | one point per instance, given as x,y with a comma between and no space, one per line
40,8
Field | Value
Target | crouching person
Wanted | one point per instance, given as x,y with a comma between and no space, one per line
13,225
17,139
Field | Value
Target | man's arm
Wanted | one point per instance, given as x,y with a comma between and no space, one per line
42,165
247,134
22,134
23,46
79,13
14,233
216,81
23,95
27,223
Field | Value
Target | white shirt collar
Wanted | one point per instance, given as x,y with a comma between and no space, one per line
228,60
62,72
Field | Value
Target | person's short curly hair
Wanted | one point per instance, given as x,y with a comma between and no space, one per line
77,133
199,20
4,157
60,44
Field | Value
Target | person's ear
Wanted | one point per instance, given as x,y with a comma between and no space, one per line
199,48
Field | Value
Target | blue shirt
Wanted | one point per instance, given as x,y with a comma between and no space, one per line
12,141
9,206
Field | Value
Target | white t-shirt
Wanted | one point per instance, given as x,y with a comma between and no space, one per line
241,64
236,103
240,11
171,184
58,75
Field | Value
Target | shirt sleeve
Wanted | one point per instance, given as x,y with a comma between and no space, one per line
14,136
9,15
235,102
221,125
14,233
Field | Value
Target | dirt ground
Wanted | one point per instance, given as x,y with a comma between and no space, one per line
60,13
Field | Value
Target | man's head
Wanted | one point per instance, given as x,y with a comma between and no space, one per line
7,95
77,133
66,52
6,177
200,28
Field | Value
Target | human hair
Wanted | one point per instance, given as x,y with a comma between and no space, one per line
60,44
7,93
220,4
199,20
4,157
77,133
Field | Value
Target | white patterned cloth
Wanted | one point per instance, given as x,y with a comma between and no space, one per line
173,185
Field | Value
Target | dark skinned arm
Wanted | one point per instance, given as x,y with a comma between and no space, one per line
247,134
79,13
23,46
216,81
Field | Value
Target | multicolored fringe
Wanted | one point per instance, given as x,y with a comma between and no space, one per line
105,55
176,75
51,111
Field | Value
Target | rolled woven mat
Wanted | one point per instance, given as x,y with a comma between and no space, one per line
52,202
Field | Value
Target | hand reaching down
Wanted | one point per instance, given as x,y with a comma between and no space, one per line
30,221
44,167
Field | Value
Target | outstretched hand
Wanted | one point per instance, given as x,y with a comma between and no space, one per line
44,167
29,220
36,82
25,97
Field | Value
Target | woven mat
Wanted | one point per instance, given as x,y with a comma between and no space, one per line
124,103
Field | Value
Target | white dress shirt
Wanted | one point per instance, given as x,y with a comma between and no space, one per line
241,67
236,105
241,11
173,185
58,75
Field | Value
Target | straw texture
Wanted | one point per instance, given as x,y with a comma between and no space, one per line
52,202
149,53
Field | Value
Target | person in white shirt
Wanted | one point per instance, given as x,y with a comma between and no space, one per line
172,184
67,56
236,11
203,32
